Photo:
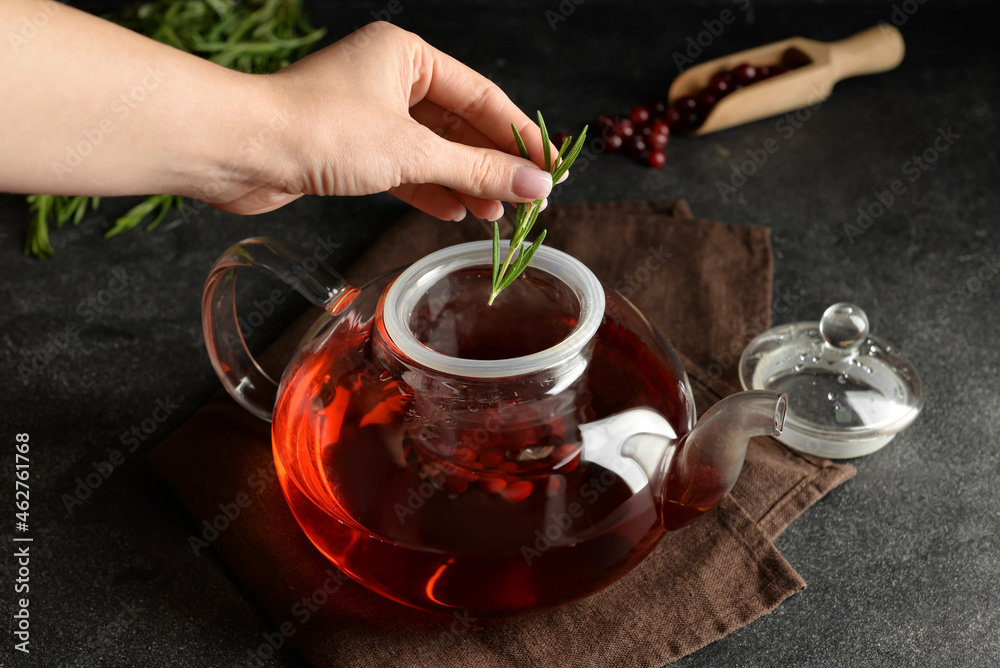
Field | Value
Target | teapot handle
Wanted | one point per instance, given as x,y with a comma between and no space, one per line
239,372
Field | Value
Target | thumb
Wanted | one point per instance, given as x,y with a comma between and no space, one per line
484,173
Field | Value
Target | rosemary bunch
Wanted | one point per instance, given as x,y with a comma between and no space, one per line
527,213
257,36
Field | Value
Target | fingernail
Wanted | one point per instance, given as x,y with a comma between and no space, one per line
497,215
532,183
545,204
564,176
460,217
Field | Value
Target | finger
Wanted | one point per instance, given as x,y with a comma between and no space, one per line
450,125
453,127
475,171
432,199
474,98
486,209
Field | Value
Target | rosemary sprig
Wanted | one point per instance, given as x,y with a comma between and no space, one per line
527,213
138,213
256,36
62,208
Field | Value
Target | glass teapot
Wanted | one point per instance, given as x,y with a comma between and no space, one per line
502,459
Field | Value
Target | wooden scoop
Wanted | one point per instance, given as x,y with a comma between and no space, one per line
817,66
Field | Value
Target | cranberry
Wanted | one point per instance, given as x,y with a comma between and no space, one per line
690,121
491,459
635,145
658,140
720,84
657,108
605,122
464,455
559,137
553,485
763,72
624,128
646,131
518,491
639,115
661,128
565,452
686,103
744,74
613,144
778,69
492,485
706,101
672,117
656,159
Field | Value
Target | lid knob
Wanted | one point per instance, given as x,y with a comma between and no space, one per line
844,327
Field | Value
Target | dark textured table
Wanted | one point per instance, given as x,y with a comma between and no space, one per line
902,563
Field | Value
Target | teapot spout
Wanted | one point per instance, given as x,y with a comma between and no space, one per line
710,457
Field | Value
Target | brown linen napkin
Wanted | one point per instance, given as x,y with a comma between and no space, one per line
707,286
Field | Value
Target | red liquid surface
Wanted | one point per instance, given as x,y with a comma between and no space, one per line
476,525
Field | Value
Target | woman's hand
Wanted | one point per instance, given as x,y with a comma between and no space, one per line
94,109
381,110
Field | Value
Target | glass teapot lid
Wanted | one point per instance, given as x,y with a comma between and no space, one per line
849,393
